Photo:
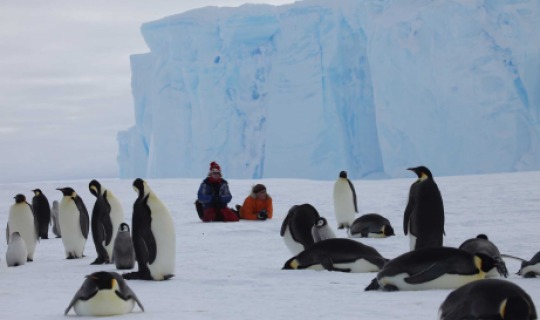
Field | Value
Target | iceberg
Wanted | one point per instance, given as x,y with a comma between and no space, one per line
312,88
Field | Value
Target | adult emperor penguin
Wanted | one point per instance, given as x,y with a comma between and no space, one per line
481,244
321,230
153,236
123,251
529,268
16,253
54,220
424,215
22,220
296,227
488,299
74,223
104,294
106,218
432,268
371,225
338,254
42,211
345,206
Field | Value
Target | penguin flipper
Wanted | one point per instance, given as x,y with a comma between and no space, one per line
146,234
432,272
106,220
86,291
286,220
84,219
354,195
328,264
125,292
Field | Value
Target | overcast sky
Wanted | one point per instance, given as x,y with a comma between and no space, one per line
65,82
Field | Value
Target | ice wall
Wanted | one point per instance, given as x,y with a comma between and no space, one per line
310,89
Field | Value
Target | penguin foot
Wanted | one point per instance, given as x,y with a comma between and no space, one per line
44,237
100,261
137,275
29,260
168,276
390,288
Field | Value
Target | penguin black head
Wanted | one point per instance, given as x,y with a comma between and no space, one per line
320,222
123,227
388,231
482,236
19,198
421,170
343,174
138,186
67,191
95,187
102,280
486,262
290,264
37,192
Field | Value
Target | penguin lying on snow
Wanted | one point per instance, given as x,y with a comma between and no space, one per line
104,294
431,268
481,244
488,299
371,225
345,205
529,268
321,230
16,253
338,254
296,227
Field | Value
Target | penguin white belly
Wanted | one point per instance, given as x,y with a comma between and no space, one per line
343,204
358,266
535,268
21,220
104,303
446,281
72,237
163,230
493,273
117,217
412,241
293,246
16,253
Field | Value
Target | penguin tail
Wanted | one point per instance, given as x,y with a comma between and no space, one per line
374,285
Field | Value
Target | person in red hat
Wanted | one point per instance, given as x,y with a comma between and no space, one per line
258,205
214,195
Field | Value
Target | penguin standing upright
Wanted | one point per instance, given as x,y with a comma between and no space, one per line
22,220
54,220
42,211
296,227
321,230
16,253
74,223
104,294
424,215
488,299
345,206
106,218
123,251
154,236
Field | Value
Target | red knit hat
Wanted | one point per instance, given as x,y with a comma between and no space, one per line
214,167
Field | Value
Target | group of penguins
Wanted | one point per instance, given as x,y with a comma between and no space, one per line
102,293
152,243
471,270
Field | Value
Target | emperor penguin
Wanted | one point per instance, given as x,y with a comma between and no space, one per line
123,251
104,294
488,299
54,220
16,253
424,215
296,227
338,254
321,230
153,235
22,220
345,206
42,211
106,218
432,268
371,225
482,244
529,268
74,223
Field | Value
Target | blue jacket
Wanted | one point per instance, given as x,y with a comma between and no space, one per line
215,195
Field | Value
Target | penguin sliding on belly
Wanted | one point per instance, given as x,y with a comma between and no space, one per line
74,222
371,225
338,254
529,268
106,218
481,244
296,227
154,236
345,206
431,268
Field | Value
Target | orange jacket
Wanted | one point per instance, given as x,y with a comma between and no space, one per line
252,206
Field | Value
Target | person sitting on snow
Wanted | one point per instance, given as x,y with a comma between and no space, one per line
214,195
258,205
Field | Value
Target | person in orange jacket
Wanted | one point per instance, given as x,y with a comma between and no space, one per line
258,205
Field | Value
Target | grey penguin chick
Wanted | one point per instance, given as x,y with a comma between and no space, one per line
321,230
104,294
16,253
123,251
54,220
488,299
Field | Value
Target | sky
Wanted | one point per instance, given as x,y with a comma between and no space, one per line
65,82
232,271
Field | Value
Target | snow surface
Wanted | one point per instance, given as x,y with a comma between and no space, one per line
233,270
305,90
